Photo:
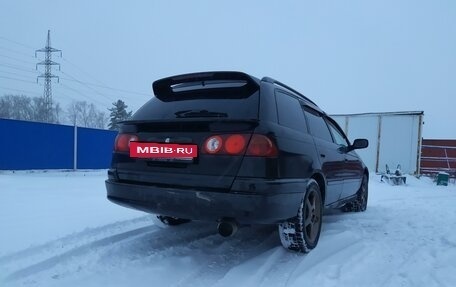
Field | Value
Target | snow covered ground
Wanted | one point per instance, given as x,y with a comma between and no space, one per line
58,229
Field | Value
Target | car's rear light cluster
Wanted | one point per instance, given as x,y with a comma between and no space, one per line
261,145
122,142
238,144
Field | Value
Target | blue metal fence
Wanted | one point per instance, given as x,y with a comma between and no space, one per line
94,148
32,145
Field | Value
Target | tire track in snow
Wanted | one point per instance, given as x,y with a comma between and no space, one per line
329,248
399,243
126,246
206,258
217,255
341,246
222,255
260,268
75,239
75,252
341,241
276,266
22,260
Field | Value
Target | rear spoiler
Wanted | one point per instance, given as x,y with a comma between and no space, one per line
201,85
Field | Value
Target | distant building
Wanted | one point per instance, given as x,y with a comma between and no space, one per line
394,139
438,155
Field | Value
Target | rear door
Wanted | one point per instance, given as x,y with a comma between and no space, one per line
189,109
331,158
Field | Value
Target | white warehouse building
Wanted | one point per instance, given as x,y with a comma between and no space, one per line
394,139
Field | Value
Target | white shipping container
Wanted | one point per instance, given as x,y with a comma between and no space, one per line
394,139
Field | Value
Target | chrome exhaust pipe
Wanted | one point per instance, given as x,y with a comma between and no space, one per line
227,228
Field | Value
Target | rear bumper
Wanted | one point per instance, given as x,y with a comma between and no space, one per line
250,201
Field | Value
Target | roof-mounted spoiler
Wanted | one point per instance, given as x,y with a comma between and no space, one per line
171,88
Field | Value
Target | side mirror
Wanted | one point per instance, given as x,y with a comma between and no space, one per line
359,144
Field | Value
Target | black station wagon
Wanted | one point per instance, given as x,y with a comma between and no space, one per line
227,147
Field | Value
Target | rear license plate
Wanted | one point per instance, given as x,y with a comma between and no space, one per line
164,151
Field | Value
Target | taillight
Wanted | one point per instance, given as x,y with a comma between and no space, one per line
122,142
261,145
213,144
236,144
226,144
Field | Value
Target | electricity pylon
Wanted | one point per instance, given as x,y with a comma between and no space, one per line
47,75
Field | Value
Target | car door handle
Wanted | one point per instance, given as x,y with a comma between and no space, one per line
322,155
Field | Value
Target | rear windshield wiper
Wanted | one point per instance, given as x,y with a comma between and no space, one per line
200,114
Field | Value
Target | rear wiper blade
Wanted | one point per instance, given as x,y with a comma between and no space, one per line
199,114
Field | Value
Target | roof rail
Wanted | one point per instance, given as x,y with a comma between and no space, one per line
272,81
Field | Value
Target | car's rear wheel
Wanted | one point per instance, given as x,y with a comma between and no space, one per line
302,232
360,202
163,221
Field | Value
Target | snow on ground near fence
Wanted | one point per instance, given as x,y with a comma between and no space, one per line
58,229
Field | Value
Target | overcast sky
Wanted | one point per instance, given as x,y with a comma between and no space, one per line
347,56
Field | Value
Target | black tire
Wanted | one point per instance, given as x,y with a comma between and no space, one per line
163,221
302,232
360,202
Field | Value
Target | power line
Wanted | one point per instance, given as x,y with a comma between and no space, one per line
106,87
101,85
89,75
17,68
78,92
17,59
66,95
27,70
22,91
16,52
17,43
14,79
74,79
33,93
11,73
88,85
63,85
92,89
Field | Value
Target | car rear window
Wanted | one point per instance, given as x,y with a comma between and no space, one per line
218,103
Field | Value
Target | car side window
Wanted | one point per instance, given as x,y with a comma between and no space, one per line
289,112
338,137
317,125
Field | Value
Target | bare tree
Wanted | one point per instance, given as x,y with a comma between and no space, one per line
21,107
97,118
41,112
86,115
16,107
72,113
57,111
4,108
